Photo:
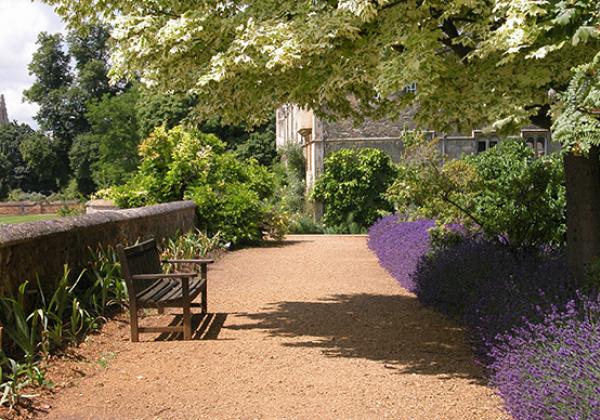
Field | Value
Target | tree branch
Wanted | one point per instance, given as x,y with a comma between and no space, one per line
392,4
542,118
451,32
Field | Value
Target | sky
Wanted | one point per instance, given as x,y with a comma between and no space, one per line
20,22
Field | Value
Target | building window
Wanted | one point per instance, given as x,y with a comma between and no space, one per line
539,144
530,141
481,146
411,88
486,143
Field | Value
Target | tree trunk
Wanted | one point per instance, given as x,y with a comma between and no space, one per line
582,175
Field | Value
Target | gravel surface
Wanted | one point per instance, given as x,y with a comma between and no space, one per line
308,328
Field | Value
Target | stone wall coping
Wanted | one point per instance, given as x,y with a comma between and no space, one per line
100,202
23,232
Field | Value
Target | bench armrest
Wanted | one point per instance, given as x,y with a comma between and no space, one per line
190,261
159,276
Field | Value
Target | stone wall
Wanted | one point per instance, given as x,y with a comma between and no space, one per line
42,249
457,148
33,207
384,128
392,147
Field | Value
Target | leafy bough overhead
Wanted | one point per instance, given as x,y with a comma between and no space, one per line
577,125
476,62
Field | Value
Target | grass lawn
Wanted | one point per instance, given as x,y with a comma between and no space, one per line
27,218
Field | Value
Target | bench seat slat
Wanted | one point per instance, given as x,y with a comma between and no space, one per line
164,292
152,290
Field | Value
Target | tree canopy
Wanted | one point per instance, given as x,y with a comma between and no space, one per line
577,125
475,62
13,170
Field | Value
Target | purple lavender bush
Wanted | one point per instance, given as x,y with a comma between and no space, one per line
490,288
400,245
521,287
449,278
551,369
538,337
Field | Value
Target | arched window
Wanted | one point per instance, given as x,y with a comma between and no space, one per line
538,142
530,142
540,146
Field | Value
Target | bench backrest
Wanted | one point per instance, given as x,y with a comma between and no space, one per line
142,258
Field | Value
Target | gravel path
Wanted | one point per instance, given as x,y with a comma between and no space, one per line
309,328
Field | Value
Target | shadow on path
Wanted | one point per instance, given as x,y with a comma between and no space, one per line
393,329
204,327
275,244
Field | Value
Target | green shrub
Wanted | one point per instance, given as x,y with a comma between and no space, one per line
519,196
234,209
66,194
259,146
65,210
348,227
290,175
20,195
505,193
305,224
232,195
352,187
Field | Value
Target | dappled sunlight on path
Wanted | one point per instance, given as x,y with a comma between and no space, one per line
393,329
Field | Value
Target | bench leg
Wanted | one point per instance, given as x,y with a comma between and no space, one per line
205,298
133,320
204,276
187,321
161,310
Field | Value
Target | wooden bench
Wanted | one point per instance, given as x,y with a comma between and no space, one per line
150,287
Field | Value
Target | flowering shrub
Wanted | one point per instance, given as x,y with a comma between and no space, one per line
490,288
520,288
542,349
399,245
551,369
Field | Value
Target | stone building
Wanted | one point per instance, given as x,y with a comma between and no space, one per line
319,138
3,111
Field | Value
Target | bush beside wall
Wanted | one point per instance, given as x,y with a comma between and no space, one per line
42,249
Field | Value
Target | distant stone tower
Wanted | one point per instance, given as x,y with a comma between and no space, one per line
3,112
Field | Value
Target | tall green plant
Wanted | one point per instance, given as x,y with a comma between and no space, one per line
290,175
14,377
107,287
193,244
65,316
353,185
21,329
